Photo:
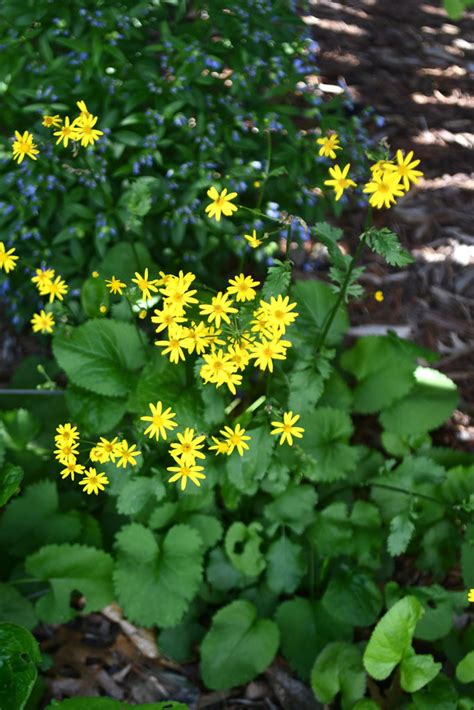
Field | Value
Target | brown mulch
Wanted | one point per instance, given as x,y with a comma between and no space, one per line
414,67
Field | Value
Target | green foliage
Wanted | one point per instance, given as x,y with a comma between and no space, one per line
385,242
456,8
20,656
250,561
172,568
238,646
338,669
390,642
68,569
15,608
10,479
100,356
465,669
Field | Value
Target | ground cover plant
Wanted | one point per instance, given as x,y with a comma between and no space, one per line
209,476
183,94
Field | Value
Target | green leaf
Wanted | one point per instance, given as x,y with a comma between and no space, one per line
465,669
384,370
68,569
33,519
401,532
220,573
250,561
94,412
467,564
179,642
331,532
385,242
20,655
15,608
431,401
294,509
353,598
10,479
391,639
440,609
155,582
417,671
278,279
285,565
326,441
306,387
305,629
245,471
101,356
124,259
338,669
329,236
94,294
440,694
138,493
238,646
209,528
315,299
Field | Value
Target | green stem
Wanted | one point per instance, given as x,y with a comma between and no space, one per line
258,213
24,580
342,293
389,488
267,169
288,241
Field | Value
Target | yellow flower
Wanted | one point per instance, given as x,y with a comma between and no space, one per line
287,428
103,309
95,274
85,113
166,318
66,433
42,322
470,596
67,132
279,313
43,277
239,356
94,454
231,379
115,285
340,181
378,295
243,287
177,293
86,132
265,351
380,167
54,289
71,469
188,448
7,258
217,367
174,345
142,314
106,450
93,482
252,239
23,145
221,203
145,284
218,309
405,169
196,338
329,144
384,189
127,454
185,471
160,421
220,446
235,438
52,121
66,452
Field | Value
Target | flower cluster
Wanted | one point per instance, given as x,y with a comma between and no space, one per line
53,286
81,130
390,178
66,452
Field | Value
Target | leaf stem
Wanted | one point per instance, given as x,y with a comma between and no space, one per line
267,169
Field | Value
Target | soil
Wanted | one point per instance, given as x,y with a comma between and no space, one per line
414,67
